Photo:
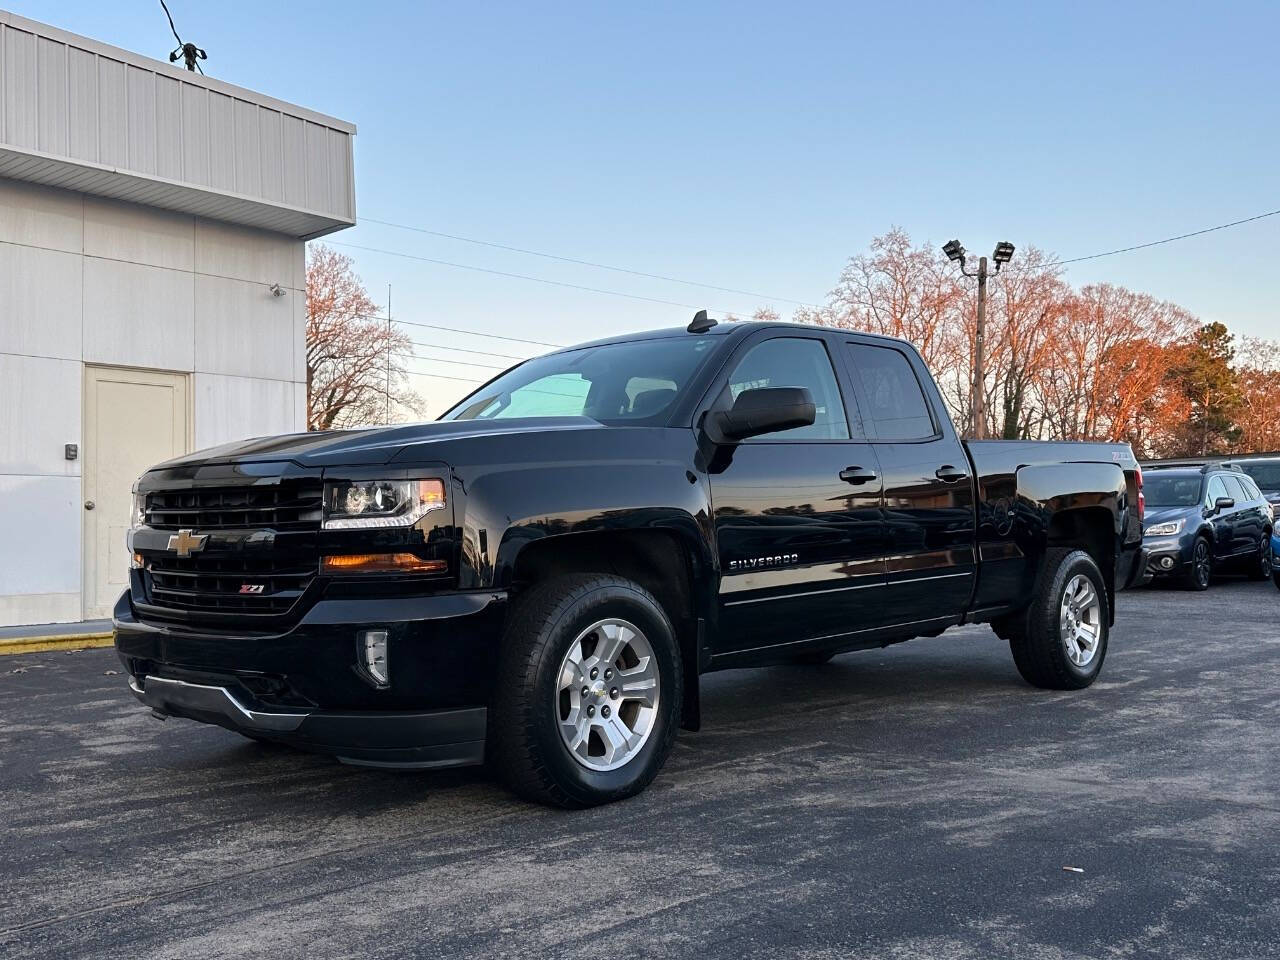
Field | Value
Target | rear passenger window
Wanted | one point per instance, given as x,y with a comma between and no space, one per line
895,402
1236,490
1251,488
795,362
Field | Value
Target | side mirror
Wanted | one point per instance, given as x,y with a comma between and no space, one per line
761,411
1223,503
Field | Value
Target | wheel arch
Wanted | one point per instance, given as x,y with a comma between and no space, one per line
660,560
1091,529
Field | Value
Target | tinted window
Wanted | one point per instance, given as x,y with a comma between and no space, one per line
617,383
795,362
1265,473
1236,490
1166,491
1250,488
895,402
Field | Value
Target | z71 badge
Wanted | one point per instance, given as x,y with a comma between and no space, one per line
757,563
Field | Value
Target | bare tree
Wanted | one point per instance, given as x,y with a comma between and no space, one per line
356,370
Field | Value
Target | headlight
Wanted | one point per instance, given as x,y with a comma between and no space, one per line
1167,529
139,516
380,503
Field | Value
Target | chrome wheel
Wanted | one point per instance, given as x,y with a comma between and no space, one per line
607,694
1080,620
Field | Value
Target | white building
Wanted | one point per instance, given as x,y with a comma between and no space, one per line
152,224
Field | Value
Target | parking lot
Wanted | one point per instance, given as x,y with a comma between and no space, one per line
915,801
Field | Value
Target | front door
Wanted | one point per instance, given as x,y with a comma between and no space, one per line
800,546
133,419
930,523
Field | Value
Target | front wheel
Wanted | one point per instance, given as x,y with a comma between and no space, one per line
1200,569
588,692
1060,640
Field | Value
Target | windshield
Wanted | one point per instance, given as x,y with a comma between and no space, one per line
636,382
1265,475
1171,491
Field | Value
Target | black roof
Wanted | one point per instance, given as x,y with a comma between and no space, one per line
741,328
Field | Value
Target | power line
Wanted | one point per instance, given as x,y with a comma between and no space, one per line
524,276
584,263
481,353
475,333
190,53
1156,243
464,363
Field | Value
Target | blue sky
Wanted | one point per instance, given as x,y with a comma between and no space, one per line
758,146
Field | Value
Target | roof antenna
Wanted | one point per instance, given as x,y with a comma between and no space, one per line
701,323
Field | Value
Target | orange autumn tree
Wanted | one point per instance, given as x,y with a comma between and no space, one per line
349,350
1094,363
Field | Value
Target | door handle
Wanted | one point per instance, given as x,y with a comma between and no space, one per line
949,474
857,475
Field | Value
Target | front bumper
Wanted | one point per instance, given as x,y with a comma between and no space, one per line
436,738
1166,556
307,687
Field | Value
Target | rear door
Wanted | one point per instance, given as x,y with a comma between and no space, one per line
930,523
1246,518
797,513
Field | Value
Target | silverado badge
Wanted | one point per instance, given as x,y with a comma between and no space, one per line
185,544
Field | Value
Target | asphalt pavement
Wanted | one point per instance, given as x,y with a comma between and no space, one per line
914,801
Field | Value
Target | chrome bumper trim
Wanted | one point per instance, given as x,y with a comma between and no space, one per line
161,693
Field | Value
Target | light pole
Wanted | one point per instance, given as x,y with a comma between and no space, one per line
1002,254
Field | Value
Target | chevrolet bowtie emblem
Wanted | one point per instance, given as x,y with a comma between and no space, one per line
185,544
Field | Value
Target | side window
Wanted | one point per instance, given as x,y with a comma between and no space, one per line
895,401
1236,490
1250,488
795,362
1216,490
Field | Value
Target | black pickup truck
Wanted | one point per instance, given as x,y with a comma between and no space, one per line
539,578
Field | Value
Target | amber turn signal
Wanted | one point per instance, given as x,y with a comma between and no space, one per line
380,563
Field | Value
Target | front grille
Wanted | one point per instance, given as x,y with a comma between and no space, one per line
215,584
292,505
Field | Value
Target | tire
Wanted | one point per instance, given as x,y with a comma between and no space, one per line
1199,570
812,658
1260,568
1275,578
1044,653
575,613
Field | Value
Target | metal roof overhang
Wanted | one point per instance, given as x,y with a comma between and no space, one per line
86,177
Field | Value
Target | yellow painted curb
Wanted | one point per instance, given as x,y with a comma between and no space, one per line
74,641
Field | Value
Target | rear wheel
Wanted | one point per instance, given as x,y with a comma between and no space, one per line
589,691
1060,640
1260,569
1200,568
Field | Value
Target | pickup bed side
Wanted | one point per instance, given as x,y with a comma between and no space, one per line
1034,495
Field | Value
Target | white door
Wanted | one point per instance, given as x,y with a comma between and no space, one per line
133,419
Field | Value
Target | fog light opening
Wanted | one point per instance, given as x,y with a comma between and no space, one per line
1166,563
373,655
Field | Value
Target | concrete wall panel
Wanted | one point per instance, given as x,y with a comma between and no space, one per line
41,298
41,403
138,316
242,330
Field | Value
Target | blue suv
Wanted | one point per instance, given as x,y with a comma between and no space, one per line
1204,518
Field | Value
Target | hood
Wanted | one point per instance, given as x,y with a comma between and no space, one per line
1166,514
372,446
